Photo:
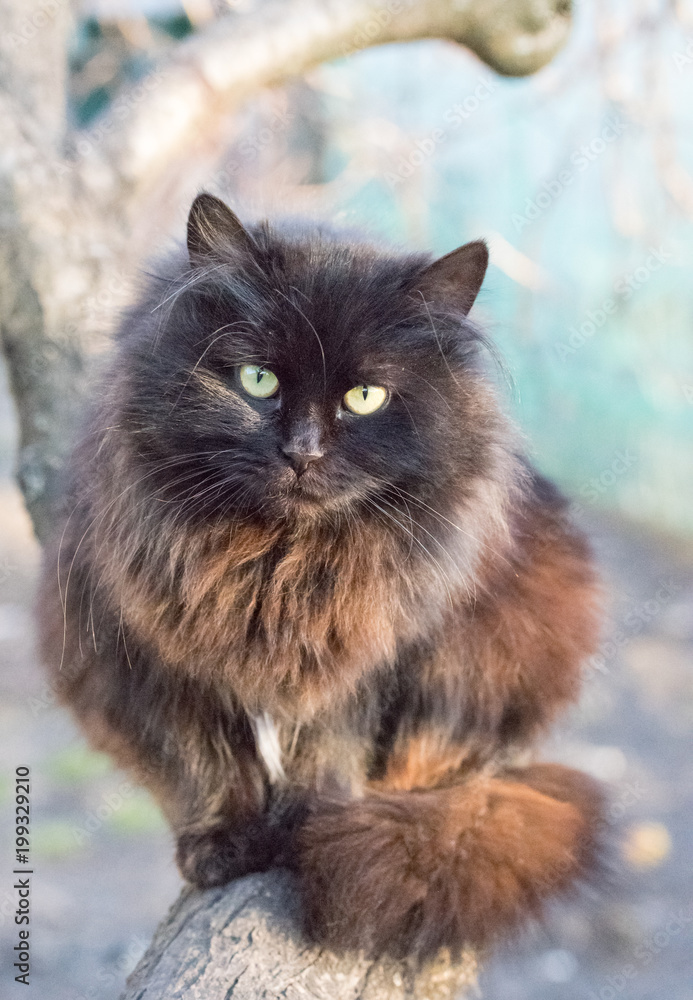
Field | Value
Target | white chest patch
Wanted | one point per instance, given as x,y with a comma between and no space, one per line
267,743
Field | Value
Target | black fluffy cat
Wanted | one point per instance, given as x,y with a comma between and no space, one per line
307,590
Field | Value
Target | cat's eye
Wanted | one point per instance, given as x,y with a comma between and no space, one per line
365,399
258,381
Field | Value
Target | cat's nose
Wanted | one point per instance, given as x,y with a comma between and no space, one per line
304,445
301,458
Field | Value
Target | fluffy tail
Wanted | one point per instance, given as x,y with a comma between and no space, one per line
411,872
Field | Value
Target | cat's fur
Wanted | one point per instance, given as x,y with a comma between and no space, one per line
334,670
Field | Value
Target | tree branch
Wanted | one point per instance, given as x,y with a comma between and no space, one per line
192,89
242,943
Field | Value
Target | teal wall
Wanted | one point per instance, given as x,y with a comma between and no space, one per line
609,410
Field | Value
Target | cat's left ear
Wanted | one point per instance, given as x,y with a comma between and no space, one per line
455,279
214,230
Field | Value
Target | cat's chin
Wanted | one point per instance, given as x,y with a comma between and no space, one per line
302,501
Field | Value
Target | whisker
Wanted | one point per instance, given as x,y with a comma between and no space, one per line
435,334
418,375
222,331
478,541
444,575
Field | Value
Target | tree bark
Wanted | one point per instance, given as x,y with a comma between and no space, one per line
242,943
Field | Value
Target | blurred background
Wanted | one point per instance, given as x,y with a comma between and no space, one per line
581,179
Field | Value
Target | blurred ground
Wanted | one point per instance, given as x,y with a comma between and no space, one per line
102,857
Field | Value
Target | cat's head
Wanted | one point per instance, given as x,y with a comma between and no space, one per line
290,375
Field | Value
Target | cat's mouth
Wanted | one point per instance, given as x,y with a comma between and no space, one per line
297,489
307,490
302,491
315,491
306,494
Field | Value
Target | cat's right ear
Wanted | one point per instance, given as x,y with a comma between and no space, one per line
214,231
455,279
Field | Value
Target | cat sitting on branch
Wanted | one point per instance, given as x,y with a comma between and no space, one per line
307,589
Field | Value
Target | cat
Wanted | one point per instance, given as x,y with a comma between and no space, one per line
306,588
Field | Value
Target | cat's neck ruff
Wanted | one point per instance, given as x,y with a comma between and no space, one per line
289,621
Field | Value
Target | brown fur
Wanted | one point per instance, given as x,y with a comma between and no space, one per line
432,869
422,761
262,623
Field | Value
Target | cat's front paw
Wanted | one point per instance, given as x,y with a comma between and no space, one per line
219,854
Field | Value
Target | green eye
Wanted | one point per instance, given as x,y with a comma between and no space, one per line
258,381
365,399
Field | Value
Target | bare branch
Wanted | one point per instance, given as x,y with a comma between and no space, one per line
236,56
